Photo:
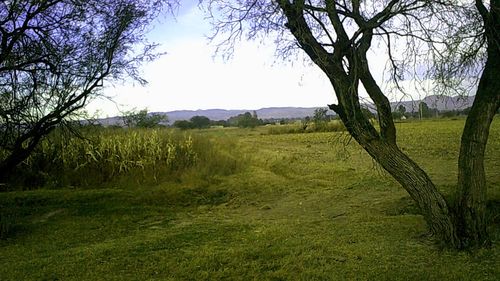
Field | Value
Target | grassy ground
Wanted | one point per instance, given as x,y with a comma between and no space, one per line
307,207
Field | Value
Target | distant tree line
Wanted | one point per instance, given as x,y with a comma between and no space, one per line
143,119
245,120
320,118
424,111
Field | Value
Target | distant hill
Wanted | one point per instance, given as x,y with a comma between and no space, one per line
263,113
223,114
442,103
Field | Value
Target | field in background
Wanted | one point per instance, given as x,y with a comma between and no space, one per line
259,206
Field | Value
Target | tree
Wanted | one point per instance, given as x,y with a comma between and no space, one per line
183,124
141,119
245,120
320,119
402,109
320,115
200,122
396,115
399,113
56,55
337,35
248,120
423,110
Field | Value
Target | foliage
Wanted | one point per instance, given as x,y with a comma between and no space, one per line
56,55
196,122
320,115
400,112
245,120
143,119
401,109
183,124
396,115
200,122
109,156
424,111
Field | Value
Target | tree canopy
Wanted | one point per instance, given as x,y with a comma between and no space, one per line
57,55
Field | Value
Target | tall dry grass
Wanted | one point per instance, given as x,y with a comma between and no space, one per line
118,156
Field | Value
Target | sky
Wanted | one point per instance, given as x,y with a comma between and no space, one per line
189,77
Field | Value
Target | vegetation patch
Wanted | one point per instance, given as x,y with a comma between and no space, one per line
122,156
292,209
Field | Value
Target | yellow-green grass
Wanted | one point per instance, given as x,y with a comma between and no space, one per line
307,207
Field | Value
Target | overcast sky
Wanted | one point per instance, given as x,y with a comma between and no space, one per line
190,77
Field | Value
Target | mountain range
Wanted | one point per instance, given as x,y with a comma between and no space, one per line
442,103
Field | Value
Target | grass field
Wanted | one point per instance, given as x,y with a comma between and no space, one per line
304,207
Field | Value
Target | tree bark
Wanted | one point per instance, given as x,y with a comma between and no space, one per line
412,178
17,155
470,197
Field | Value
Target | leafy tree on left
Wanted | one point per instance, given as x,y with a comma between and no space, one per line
56,55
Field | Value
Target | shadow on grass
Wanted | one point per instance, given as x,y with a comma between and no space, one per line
22,213
404,206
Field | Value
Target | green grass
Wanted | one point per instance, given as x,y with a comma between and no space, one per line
306,207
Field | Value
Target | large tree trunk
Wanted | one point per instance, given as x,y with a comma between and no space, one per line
22,149
16,157
412,178
470,205
470,198
8,164
417,183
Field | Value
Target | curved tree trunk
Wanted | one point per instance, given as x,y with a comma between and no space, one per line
18,154
420,187
412,178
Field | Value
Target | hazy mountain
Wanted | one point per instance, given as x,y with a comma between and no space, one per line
442,103
263,113
223,114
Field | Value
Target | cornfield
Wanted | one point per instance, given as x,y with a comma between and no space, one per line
107,155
